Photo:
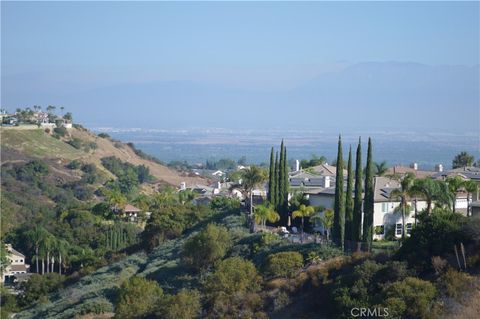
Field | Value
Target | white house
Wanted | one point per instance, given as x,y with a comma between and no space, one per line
16,267
386,211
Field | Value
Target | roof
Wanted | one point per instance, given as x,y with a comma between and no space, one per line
307,179
18,267
470,172
383,188
131,208
398,169
13,251
326,170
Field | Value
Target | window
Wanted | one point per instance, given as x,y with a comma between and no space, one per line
409,228
380,230
399,229
384,207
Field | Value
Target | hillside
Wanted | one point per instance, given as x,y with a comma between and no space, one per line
19,145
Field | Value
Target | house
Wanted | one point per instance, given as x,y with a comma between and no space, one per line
218,173
386,212
17,269
131,212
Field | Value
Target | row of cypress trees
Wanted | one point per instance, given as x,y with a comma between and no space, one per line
278,184
347,218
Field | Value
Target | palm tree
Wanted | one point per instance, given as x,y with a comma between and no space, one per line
327,221
381,168
264,213
455,184
48,246
302,212
251,178
471,187
404,193
430,190
61,248
36,237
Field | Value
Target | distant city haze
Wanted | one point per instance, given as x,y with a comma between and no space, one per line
333,67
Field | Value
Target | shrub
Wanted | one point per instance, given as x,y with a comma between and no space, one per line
416,294
184,305
233,275
75,164
104,135
207,247
138,298
75,142
39,286
60,131
456,283
284,264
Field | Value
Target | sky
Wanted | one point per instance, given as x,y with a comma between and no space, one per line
93,57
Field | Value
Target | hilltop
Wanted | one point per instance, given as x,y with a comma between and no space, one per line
21,145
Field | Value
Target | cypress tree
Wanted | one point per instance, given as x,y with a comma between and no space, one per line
368,201
349,200
338,232
281,179
285,183
276,182
271,180
357,202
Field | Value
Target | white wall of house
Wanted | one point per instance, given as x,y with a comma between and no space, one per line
386,216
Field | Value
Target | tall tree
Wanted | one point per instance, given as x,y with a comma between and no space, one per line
471,187
281,195
285,183
463,159
404,193
357,202
36,237
252,177
368,202
271,180
339,204
430,189
455,184
349,200
276,182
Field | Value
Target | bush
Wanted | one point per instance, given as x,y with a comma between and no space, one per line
233,275
413,297
60,131
39,286
75,164
207,247
76,142
104,135
138,298
184,305
284,264
456,283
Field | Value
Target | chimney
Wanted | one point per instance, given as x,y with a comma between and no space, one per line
297,165
439,168
327,181
414,166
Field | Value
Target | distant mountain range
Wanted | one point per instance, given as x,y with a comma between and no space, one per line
389,95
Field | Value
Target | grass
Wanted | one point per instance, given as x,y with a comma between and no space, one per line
37,143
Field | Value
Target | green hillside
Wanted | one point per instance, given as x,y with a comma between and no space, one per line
38,143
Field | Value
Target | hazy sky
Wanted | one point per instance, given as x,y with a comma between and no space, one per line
54,51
